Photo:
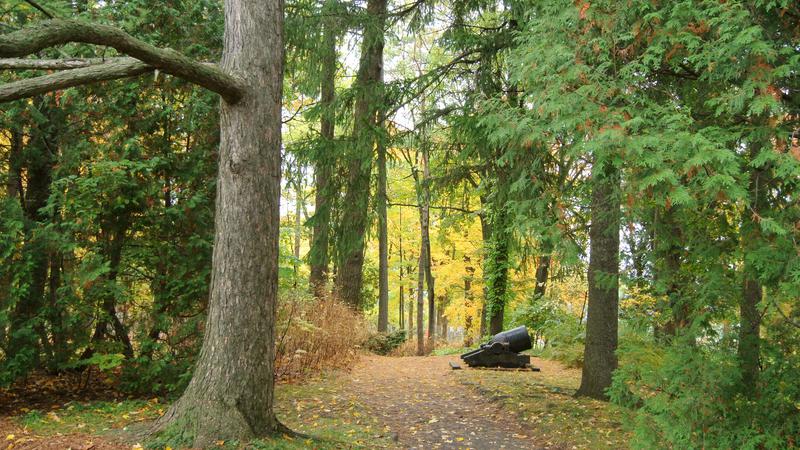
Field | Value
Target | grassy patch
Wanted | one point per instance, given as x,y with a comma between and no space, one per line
445,351
90,417
316,408
544,400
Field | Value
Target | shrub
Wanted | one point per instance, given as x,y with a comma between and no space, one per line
385,343
314,335
689,396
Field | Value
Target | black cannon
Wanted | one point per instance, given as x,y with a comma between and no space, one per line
502,351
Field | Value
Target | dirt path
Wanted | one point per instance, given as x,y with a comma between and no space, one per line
421,400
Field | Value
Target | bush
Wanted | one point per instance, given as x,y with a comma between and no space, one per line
313,335
385,343
689,396
565,342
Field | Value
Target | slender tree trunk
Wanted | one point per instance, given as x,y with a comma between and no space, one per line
230,395
749,337
543,271
410,312
426,242
323,167
421,292
600,359
486,235
298,221
383,244
402,296
353,227
38,159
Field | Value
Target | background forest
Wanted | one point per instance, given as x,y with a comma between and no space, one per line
622,177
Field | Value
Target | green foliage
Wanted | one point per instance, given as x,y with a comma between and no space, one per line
688,396
384,343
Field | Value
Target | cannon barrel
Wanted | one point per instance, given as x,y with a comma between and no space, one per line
518,339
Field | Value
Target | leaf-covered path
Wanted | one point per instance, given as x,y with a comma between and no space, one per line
423,402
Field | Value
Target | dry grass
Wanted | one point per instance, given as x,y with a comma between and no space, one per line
314,335
409,348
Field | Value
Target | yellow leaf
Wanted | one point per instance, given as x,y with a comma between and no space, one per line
10,437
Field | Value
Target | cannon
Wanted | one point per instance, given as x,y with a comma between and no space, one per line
502,350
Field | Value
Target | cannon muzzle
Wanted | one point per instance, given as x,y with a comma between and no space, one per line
518,339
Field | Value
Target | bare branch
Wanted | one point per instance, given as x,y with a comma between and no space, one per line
52,64
122,68
60,31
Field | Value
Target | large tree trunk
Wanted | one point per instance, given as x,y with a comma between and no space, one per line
749,338
600,359
230,395
383,245
353,227
543,270
323,168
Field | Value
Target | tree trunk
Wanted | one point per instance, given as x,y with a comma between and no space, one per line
497,267
353,227
486,234
749,348
402,298
600,359
230,395
542,271
323,168
298,221
383,245
420,295
38,158
426,242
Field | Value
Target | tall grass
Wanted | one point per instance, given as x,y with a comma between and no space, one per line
314,335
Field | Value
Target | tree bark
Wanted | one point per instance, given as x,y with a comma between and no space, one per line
383,244
426,241
230,395
353,227
318,256
421,292
749,348
600,359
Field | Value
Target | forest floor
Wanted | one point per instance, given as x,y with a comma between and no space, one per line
383,402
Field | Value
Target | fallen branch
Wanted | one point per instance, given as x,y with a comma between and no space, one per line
52,64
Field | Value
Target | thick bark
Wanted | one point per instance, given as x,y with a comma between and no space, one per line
600,359
383,244
318,255
230,395
353,227
61,31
